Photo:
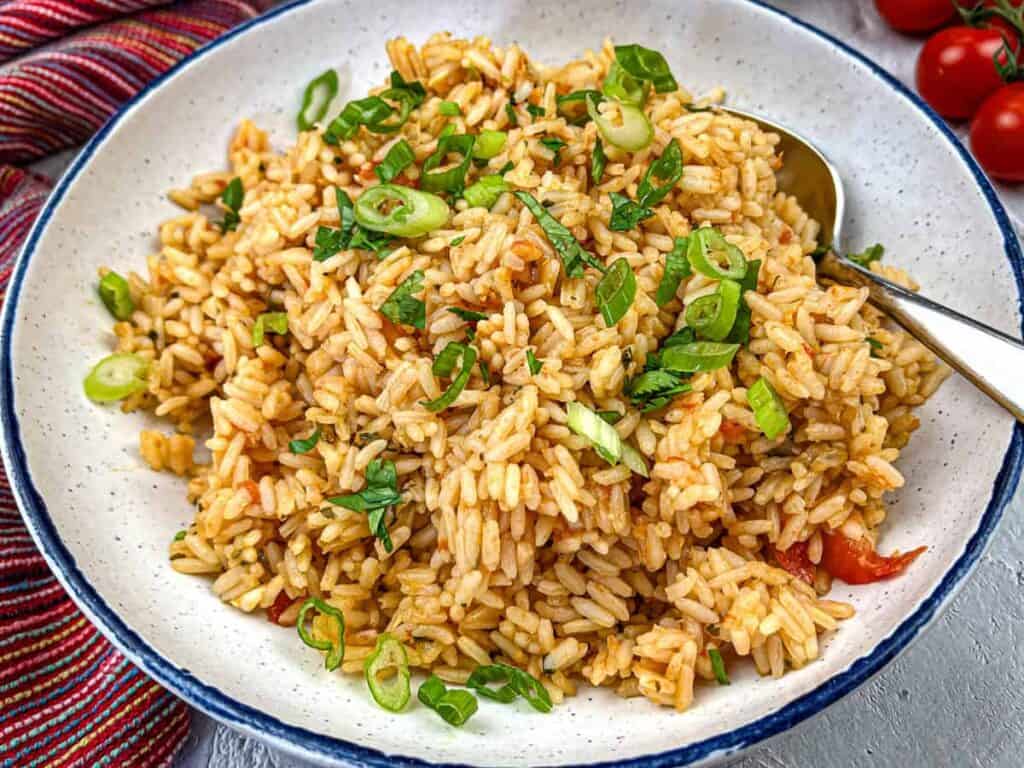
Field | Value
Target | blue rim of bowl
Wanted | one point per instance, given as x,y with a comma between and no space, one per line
241,716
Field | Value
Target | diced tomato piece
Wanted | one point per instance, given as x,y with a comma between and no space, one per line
732,431
796,561
405,181
856,562
279,606
253,489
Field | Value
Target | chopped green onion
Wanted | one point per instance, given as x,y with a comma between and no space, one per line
769,410
457,241
677,266
446,359
612,417
633,459
597,162
556,145
535,110
632,134
391,693
415,214
468,315
713,316
691,107
180,535
453,179
346,213
448,130
577,116
368,240
374,112
232,197
868,255
488,144
875,344
698,356
740,333
398,158
620,85
335,652
654,389
519,683
601,434
684,335
115,377
626,213
718,666
485,372
707,250
404,309
306,445
615,291
533,363
485,192
116,296
450,395
454,707
668,169
449,109
321,89
510,112
269,322
380,494
646,65
574,256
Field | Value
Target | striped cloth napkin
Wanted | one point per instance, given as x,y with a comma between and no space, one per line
67,698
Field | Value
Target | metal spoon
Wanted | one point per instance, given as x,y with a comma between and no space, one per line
990,359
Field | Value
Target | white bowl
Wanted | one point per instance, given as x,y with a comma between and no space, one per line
103,521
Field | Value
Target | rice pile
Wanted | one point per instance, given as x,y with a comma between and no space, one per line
516,542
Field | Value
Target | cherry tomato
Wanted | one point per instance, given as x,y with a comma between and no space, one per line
956,70
997,133
915,15
856,562
795,561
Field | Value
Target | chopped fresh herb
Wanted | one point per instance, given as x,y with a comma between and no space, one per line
646,65
450,395
740,333
116,296
485,192
335,651
232,197
328,242
471,318
485,372
597,162
573,106
668,169
349,235
517,683
398,158
868,255
402,308
508,166
447,131
690,107
615,291
375,113
820,251
306,445
533,363
449,109
626,213
365,438
535,110
453,179
677,266
574,256
180,535
510,112
321,90
446,359
457,241
875,344
718,666
269,322
368,240
612,417
380,494
555,144
654,389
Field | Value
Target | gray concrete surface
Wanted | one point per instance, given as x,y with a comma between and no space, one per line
955,698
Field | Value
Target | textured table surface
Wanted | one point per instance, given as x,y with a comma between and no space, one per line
953,699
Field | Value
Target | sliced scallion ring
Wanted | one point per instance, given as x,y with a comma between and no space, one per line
335,651
698,356
769,410
600,433
619,84
316,99
391,692
116,296
116,377
712,255
519,683
488,144
712,316
633,459
413,213
615,291
456,707
633,133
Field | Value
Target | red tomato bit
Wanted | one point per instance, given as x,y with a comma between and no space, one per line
856,562
279,606
796,561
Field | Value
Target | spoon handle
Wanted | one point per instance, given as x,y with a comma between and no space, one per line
990,359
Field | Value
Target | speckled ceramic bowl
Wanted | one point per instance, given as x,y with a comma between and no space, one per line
103,521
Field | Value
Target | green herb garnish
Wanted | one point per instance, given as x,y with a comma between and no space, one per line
380,494
533,363
574,256
402,308
232,197
269,322
306,445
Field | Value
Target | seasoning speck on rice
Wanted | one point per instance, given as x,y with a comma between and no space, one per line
602,425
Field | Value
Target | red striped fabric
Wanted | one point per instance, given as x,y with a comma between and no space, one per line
67,698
